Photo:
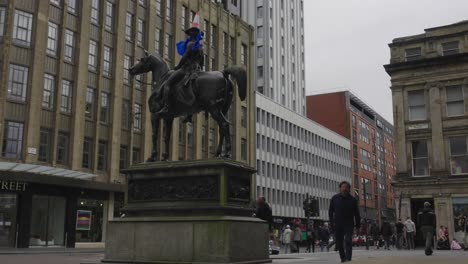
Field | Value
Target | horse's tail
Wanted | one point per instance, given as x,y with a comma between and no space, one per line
240,75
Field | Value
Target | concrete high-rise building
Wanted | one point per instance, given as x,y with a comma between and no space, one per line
71,116
429,75
372,147
279,50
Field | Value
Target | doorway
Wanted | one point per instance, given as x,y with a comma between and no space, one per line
8,210
48,221
416,206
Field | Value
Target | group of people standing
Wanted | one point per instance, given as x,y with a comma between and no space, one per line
401,235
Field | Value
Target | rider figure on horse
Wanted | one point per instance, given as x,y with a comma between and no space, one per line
191,63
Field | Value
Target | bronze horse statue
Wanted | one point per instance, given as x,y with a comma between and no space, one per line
213,94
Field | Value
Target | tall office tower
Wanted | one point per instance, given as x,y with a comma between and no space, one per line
279,48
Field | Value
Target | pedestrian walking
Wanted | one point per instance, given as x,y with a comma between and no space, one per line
311,237
427,220
287,237
344,216
297,238
375,233
386,231
324,237
399,226
410,233
264,211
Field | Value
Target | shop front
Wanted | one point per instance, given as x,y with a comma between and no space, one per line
38,210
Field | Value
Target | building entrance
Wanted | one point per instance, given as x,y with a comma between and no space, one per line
8,210
47,221
417,205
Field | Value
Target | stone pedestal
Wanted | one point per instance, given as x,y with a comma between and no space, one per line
188,212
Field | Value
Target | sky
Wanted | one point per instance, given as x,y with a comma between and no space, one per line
346,42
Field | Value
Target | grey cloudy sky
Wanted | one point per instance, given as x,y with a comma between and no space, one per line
346,41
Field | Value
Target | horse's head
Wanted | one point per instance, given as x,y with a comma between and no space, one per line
144,65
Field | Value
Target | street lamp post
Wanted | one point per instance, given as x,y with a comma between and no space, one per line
365,211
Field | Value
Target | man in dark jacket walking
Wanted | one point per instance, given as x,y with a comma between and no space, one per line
264,211
344,215
387,232
427,221
399,232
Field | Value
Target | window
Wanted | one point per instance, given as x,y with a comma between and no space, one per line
260,52
260,12
92,55
126,74
158,7
2,21
137,118
129,26
102,156
136,156
260,32
17,84
260,72
66,103
105,104
169,10
225,43
244,116
458,155
184,18
87,161
413,54
22,28
123,160
12,140
52,37
71,6
168,46
189,134
420,158
142,2
126,114
244,54
69,45
232,45
90,103
157,40
107,61
243,149
95,11
49,92
140,32
211,140
44,145
213,36
181,133
450,48
62,148
109,25
417,105
455,102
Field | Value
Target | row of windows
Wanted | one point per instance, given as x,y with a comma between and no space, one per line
299,133
448,48
13,145
458,151
454,104
296,176
290,199
290,152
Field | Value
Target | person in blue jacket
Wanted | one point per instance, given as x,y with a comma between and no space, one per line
344,216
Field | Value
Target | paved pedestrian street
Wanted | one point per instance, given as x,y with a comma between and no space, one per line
360,256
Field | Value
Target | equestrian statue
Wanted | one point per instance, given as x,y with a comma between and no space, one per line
188,90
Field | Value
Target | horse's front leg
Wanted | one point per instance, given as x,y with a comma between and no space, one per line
167,137
155,121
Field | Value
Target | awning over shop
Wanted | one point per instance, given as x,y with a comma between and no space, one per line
40,174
